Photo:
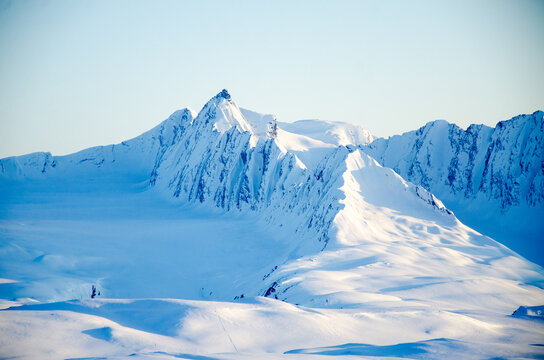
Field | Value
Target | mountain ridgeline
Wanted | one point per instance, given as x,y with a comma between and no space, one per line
492,178
504,165
221,157
204,236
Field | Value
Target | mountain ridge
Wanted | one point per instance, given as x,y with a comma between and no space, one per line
493,178
424,161
206,238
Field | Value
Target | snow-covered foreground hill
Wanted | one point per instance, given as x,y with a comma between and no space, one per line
206,239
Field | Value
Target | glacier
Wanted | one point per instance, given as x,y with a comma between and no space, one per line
207,239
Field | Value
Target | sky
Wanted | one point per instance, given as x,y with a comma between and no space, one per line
75,74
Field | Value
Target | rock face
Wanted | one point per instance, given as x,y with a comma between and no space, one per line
493,178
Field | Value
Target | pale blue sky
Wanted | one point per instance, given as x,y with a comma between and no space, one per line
74,74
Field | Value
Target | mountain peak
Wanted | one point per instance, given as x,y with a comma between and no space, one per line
223,114
438,122
224,94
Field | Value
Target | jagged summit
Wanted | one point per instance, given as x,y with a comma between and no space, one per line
224,94
221,114
536,116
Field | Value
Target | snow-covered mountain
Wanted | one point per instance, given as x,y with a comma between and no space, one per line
299,243
492,178
226,159
132,159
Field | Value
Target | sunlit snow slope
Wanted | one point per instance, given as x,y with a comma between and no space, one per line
492,178
207,239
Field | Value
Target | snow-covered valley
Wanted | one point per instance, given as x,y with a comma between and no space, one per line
208,239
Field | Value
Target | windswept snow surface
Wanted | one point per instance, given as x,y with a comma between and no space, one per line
207,240
492,178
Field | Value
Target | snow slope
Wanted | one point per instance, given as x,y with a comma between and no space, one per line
328,132
208,240
331,132
492,178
